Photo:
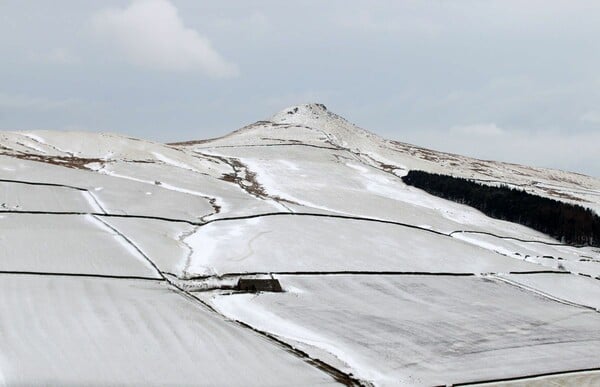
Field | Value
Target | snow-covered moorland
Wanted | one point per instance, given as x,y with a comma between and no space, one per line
119,259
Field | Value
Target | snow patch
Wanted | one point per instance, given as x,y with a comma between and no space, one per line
172,162
35,137
483,244
92,201
167,186
95,166
358,167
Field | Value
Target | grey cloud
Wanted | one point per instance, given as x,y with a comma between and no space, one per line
24,102
448,75
574,152
56,56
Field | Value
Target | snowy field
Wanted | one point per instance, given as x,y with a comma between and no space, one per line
578,290
28,197
88,331
295,243
581,379
582,260
67,244
424,330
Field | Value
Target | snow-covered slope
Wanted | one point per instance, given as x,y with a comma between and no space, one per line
384,283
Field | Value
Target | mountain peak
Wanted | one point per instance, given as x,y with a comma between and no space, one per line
303,113
316,116
314,109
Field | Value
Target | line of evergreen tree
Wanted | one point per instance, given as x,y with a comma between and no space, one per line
570,224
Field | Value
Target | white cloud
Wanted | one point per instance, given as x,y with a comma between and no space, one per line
151,34
592,117
490,129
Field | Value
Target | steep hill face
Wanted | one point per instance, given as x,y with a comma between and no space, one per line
314,125
425,291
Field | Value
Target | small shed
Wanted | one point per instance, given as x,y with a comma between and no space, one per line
254,285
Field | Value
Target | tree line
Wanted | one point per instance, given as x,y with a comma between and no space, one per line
568,223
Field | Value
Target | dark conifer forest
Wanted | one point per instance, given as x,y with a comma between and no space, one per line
568,223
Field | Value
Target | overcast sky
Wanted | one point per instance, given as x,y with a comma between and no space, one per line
507,80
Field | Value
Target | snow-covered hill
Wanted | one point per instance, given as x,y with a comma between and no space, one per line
117,258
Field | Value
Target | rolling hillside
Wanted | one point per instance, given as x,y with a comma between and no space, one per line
119,259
